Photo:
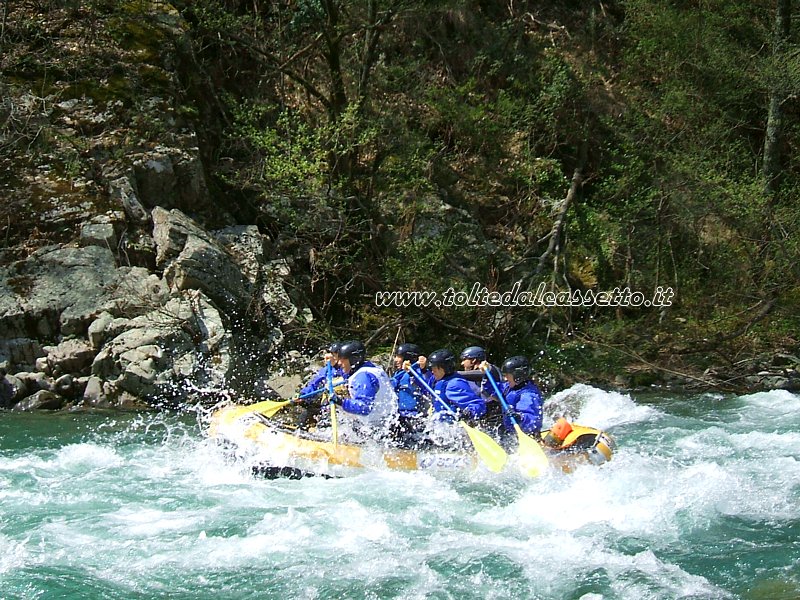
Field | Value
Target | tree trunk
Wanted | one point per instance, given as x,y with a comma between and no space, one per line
555,247
777,96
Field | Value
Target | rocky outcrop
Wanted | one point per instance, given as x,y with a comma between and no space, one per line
58,290
171,178
111,291
193,259
81,329
186,339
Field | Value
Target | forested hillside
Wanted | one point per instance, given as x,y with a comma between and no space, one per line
422,145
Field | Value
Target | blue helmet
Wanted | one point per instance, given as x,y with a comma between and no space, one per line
408,351
475,352
443,358
353,351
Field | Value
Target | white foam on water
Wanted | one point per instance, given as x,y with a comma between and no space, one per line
146,513
22,464
631,575
766,444
598,408
774,402
769,411
13,554
143,522
81,457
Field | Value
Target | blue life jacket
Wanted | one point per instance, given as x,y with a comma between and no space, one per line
459,396
526,400
409,392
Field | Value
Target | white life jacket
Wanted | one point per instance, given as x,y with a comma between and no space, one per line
385,404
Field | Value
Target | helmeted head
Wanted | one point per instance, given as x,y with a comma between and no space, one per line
406,352
518,368
352,355
442,362
335,347
471,357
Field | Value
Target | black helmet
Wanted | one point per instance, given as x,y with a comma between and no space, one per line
475,352
354,351
443,358
408,351
335,347
519,367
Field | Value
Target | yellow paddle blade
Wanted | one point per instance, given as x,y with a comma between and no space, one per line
531,456
268,408
274,407
490,452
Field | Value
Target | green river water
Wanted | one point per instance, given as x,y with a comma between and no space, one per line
702,500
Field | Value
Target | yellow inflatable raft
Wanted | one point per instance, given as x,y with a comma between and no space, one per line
283,451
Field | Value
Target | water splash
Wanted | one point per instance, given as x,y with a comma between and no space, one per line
700,501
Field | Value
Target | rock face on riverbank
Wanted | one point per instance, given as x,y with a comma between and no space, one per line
79,327
125,278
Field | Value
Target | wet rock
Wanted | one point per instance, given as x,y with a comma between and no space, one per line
245,244
79,386
187,337
274,293
70,356
64,385
42,365
34,381
12,390
97,330
203,266
41,400
792,384
106,327
193,259
774,382
93,393
285,385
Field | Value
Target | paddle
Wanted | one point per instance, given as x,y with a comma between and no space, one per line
267,408
490,452
532,458
331,395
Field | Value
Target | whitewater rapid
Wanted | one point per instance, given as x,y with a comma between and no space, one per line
700,501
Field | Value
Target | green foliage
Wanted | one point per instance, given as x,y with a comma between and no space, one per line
289,151
419,264
464,120
486,107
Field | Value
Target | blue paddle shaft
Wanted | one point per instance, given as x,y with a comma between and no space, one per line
430,390
312,393
497,391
